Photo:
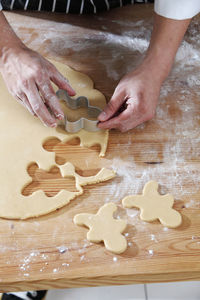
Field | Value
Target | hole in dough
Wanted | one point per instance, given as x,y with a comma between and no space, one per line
50,182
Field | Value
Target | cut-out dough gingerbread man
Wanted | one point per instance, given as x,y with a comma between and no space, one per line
154,206
103,227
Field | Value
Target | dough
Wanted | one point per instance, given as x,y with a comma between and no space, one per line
103,227
22,136
39,204
83,86
154,206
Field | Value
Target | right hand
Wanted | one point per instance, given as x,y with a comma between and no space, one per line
28,78
134,100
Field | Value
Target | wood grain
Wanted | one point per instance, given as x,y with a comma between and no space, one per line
50,251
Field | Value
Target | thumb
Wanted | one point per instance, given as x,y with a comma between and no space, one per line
112,107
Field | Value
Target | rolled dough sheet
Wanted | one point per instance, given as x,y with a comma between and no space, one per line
22,136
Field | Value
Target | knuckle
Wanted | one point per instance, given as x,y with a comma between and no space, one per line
121,129
53,68
19,94
119,88
111,106
140,96
45,90
144,111
52,100
124,127
36,108
38,77
38,73
24,83
142,108
150,115
37,68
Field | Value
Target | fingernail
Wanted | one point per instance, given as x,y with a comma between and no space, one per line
102,116
73,92
60,116
54,125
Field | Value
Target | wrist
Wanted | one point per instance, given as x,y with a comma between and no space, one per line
165,39
152,68
9,41
158,64
9,50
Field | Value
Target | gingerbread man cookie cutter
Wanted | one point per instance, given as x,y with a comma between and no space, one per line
103,227
82,123
154,206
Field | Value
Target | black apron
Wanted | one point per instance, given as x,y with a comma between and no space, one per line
68,6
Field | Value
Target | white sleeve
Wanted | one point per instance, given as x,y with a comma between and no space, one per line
177,9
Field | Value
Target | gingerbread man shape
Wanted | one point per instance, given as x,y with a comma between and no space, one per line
103,227
154,206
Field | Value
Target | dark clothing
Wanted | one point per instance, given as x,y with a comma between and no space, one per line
67,6
39,295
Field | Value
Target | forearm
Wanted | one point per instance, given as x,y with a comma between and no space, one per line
166,37
8,38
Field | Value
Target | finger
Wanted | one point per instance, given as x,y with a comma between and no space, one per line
137,112
61,81
51,100
124,121
112,107
38,106
22,99
128,119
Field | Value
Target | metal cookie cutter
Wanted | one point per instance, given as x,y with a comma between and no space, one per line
82,123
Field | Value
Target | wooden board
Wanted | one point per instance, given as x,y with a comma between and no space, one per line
50,251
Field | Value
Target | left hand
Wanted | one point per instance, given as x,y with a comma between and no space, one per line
133,102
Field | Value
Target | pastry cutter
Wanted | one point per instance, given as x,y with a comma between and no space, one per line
82,123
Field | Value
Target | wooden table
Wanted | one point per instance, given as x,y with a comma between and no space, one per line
50,251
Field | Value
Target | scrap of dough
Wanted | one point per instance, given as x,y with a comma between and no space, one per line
22,136
154,206
39,204
103,227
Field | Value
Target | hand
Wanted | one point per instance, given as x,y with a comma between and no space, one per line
28,77
133,102
135,98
